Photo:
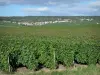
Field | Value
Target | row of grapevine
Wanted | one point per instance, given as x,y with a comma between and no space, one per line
36,50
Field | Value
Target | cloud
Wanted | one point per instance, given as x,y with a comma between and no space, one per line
36,9
57,7
40,2
51,3
65,10
8,2
95,4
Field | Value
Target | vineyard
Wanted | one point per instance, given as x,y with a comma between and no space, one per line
48,46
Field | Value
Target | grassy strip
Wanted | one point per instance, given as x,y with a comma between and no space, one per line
90,70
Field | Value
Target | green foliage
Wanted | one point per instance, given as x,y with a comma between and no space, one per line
32,51
87,53
47,46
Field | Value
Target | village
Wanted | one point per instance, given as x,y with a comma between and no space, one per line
40,23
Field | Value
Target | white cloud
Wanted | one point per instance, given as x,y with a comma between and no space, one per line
82,9
52,3
43,9
95,4
36,9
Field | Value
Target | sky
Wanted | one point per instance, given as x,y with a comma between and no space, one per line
49,7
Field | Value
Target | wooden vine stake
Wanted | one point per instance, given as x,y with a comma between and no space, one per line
54,56
9,68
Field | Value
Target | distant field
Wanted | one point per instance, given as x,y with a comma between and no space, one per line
61,29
